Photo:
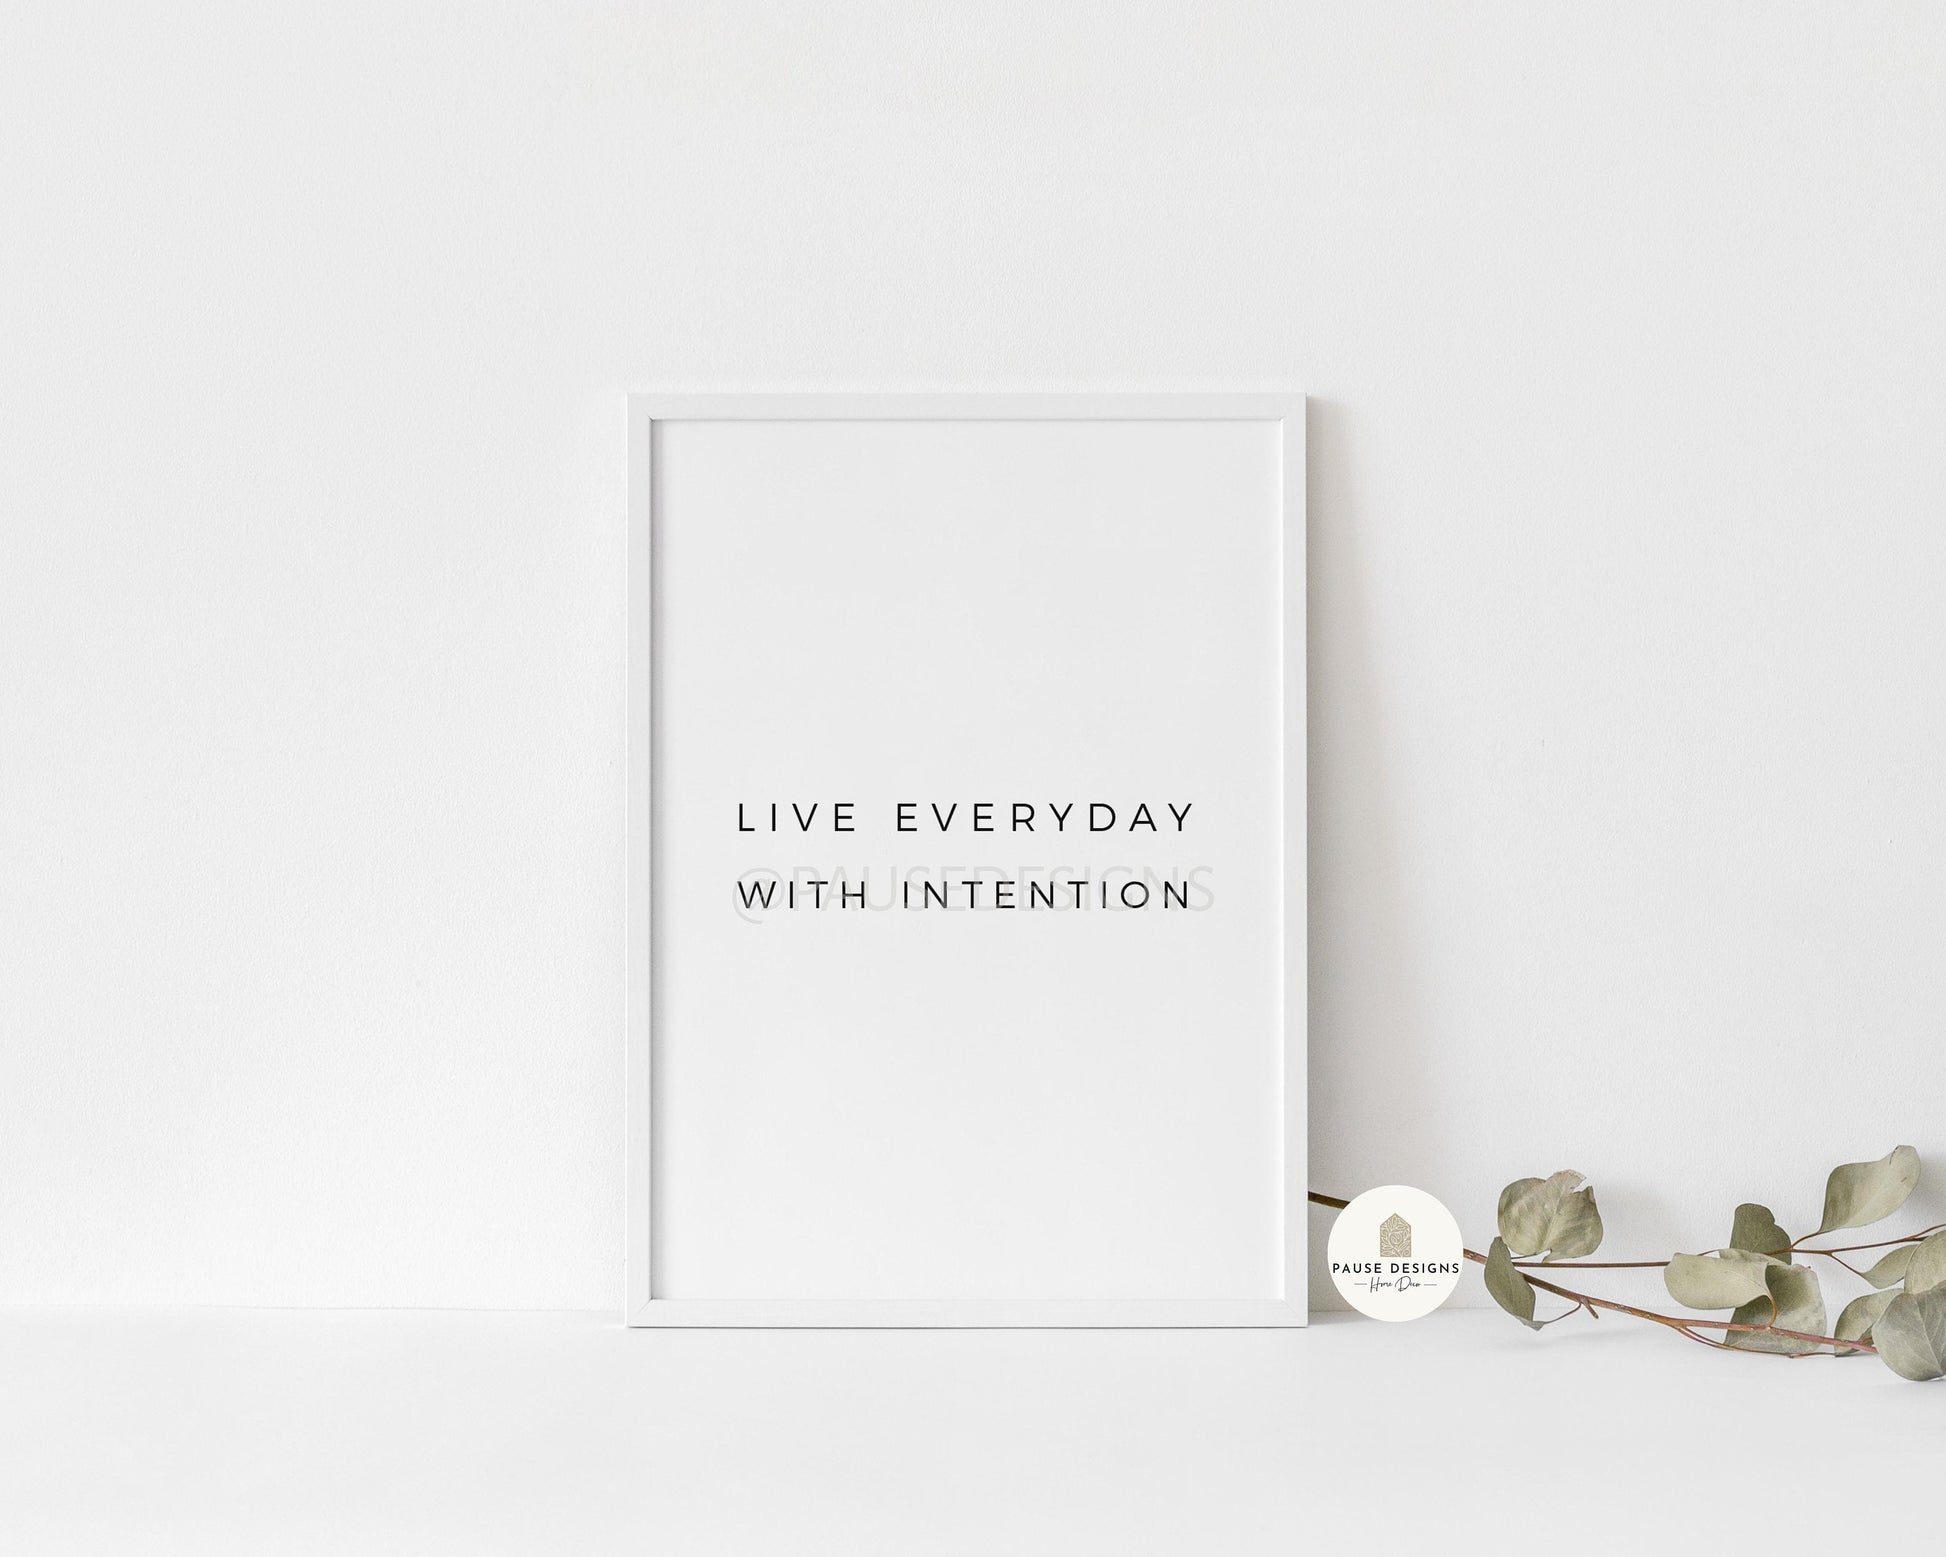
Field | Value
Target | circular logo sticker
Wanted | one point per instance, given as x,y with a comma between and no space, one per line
1395,1253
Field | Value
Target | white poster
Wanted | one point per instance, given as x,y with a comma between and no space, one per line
967,878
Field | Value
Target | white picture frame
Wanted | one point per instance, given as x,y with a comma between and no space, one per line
1263,427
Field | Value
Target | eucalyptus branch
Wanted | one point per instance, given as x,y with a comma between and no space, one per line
1683,1324
1675,1322
1550,1225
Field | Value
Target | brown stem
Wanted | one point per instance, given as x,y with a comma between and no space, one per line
1861,1248
1683,1326
1780,1254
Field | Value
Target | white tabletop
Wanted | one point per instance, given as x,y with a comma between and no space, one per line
296,1431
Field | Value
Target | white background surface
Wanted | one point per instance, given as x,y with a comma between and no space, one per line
523,1433
883,1102
1625,331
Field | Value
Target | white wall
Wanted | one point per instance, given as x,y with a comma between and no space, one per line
1626,334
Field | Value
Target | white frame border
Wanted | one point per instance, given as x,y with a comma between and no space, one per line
641,1307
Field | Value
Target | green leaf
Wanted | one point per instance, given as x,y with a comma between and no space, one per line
1550,1214
1756,1230
1911,1334
1860,1193
1800,1306
1510,1289
1927,1268
1726,1280
1861,1313
1890,1271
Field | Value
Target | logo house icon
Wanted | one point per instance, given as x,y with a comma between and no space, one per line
1395,1238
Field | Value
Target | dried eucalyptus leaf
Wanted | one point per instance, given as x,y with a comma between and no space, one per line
1800,1306
1527,1209
1911,1334
1550,1214
1728,1280
1860,1193
1861,1313
1927,1267
1756,1230
1890,1271
1510,1289
1576,1229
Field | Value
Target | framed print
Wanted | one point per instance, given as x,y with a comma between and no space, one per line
966,860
